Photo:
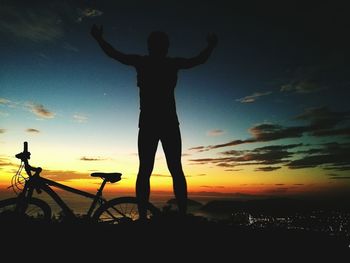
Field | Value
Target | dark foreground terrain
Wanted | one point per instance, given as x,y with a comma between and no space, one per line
169,237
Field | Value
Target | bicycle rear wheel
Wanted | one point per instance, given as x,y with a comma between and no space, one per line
122,209
35,210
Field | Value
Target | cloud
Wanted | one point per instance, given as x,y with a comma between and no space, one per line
2,131
8,103
31,130
4,101
212,186
6,164
215,132
3,114
80,118
34,24
70,47
84,158
301,87
161,175
4,161
40,111
253,97
88,13
63,175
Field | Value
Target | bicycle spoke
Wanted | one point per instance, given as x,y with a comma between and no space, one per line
123,209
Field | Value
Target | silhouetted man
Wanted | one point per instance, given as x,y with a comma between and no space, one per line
158,121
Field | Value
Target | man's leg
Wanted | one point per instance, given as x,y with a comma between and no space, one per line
171,142
147,147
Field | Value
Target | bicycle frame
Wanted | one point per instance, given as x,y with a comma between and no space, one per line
38,183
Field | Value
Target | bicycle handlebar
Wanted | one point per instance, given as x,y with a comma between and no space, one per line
25,147
24,157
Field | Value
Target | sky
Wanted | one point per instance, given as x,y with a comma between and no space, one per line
267,114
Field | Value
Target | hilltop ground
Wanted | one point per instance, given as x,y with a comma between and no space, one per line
170,234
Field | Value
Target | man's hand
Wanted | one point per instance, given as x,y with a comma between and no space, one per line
212,40
96,32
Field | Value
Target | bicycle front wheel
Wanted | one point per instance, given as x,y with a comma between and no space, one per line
122,209
34,210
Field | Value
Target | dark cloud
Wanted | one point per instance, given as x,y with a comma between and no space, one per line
338,168
333,132
322,118
267,168
233,170
198,148
340,177
279,147
271,132
331,156
232,153
267,155
321,122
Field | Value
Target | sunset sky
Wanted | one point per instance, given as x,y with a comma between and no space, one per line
267,114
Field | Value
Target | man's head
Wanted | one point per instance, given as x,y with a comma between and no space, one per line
158,44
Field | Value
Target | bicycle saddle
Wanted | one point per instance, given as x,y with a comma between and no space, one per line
110,177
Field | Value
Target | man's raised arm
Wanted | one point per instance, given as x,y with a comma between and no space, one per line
202,57
97,34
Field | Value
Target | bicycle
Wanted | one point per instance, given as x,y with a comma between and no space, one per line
113,211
